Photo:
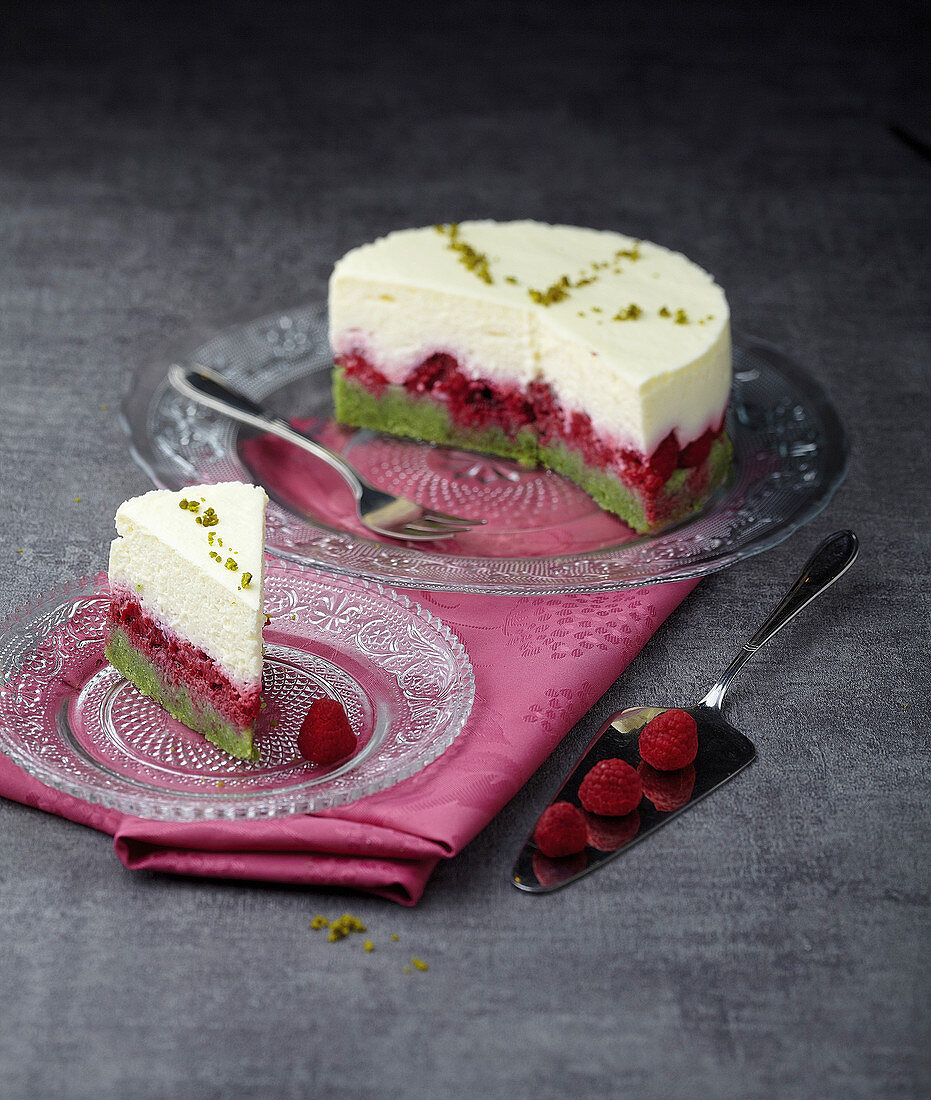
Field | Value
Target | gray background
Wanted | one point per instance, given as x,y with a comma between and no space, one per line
165,168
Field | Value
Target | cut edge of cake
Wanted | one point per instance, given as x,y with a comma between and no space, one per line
160,685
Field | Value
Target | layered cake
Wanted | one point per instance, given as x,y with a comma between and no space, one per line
186,614
602,357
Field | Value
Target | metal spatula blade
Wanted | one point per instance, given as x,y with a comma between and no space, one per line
722,750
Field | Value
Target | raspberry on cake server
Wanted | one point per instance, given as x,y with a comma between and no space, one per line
187,577
602,357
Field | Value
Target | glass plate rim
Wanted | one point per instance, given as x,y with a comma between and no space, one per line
149,383
220,805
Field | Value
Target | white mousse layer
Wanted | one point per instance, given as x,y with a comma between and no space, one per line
413,293
163,556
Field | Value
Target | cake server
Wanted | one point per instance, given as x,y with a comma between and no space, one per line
381,512
722,750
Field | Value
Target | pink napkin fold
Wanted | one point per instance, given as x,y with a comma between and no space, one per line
540,663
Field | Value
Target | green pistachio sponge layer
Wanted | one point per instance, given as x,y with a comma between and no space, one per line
395,411
176,699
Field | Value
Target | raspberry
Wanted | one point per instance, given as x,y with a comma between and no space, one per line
356,366
439,374
667,790
326,735
607,834
669,741
560,830
695,453
662,463
611,788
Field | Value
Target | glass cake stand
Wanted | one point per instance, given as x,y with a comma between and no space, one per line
68,718
543,536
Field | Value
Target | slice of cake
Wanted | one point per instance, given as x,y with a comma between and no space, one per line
605,358
187,576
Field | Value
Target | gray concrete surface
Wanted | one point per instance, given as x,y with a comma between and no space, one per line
165,167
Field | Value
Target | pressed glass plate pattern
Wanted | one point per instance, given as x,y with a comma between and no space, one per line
68,718
543,534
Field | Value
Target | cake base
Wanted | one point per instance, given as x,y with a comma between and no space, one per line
174,697
395,410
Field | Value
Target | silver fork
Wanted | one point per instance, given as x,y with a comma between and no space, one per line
388,515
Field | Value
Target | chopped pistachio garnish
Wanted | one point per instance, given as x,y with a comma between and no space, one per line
664,312
552,294
419,964
231,565
343,926
215,555
189,505
475,261
319,922
510,279
246,580
631,313
560,289
681,317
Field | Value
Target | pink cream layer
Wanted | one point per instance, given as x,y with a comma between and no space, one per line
479,403
180,662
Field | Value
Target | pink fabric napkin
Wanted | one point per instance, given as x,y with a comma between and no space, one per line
540,663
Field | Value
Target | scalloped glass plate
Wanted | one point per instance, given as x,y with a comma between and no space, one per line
68,718
543,536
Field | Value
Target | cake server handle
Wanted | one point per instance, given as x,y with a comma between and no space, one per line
205,386
830,560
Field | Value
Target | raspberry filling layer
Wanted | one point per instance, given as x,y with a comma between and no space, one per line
180,662
478,403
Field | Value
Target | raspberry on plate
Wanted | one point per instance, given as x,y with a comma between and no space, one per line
669,741
561,830
326,735
667,791
611,788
